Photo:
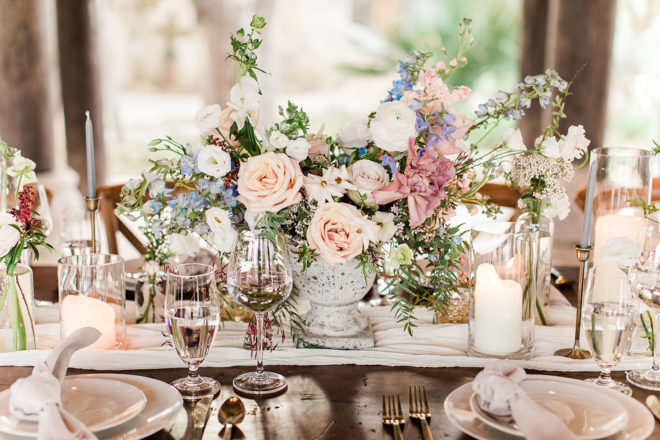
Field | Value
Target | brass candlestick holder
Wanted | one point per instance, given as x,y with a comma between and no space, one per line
583,254
92,207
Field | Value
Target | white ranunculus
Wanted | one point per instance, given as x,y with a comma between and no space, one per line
368,176
278,140
23,167
354,135
574,143
181,244
620,251
208,118
224,235
558,206
386,226
214,161
548,146
298,149
9,235
393,126
514,140
243,98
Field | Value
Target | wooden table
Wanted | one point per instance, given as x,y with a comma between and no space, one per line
327,402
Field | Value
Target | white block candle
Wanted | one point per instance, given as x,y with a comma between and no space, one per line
497,312
614,226
82,311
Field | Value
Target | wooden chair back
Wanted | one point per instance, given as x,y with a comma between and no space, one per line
110,196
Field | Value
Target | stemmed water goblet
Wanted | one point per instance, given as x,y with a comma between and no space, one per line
259,277
192,310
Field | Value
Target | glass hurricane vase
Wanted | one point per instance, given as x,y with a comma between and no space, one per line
17,310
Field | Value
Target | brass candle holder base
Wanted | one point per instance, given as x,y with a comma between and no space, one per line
93,206
576,352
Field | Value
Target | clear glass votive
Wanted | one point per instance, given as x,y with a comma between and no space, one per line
91,293
502,291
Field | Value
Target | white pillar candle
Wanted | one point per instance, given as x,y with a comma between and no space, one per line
497,312
615,226
82,311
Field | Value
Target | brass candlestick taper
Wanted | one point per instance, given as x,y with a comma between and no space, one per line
575,352
92,207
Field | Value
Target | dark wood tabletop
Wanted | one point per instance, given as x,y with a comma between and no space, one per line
327,402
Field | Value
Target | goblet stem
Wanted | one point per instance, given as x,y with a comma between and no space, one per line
655,369
260,343
605,378
193,374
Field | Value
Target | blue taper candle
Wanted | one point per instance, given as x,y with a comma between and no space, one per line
588,206
91,171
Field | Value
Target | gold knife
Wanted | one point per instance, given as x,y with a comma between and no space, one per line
654,405
200,416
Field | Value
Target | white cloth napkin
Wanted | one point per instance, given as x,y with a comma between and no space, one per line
39,397
501,396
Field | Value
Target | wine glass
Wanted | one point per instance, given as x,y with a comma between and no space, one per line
192,310
608,320
259,278
644,277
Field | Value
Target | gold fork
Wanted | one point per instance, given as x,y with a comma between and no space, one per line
392,415
420,410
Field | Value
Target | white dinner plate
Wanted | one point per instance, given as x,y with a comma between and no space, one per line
100,404
586,411
457,407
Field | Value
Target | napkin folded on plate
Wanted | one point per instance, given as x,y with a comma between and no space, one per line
502,397
39,397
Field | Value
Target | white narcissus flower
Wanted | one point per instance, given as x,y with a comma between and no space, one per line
548,146
558,206
574,143
386,226
208,118
620,251
298,149
513,140
278,140
334,182
368,176
181,244
354,135
24,168
393,126
9,235
214,161
224,235
243,98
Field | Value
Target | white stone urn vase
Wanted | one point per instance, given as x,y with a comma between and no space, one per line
334,292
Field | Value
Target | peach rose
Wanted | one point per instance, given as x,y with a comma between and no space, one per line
339,232
225,125
269,182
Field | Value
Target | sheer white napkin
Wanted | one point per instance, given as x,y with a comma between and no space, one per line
39,397
501,396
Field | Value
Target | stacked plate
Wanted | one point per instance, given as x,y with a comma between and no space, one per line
590,411
113,406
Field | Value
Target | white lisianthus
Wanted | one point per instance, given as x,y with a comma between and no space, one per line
574,143
214,161
368,176
278,140
620,251
558,206
334,182
402,255
386,226
243,98
224,235
298,149
24,168
208,118
548,146
9,235
393,126
354,135
181,244
513,140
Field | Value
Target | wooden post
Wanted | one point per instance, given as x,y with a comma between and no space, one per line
81,85
26,118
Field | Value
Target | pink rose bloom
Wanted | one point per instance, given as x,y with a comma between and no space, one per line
269,182
318,147
433,87
423,183
9,236
339,232
453,143
460,93
225,126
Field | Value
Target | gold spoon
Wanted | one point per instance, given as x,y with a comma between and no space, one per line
231,413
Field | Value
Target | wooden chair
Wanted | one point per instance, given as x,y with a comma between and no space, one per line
582,194
110,196
501,194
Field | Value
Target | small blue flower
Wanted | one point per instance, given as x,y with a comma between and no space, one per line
362,151
525,102
482,111
153,207
216,188
501,96
229,197
203,184
456,239
388,161
158,187
433,258
187,165
432,140
157,228
201,229
421,125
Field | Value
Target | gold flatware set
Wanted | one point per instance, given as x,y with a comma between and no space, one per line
418,408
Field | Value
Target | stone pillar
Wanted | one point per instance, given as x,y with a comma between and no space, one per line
26,119
81,84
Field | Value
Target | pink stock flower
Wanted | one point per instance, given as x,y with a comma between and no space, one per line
453,144
433,87
460,93
423,183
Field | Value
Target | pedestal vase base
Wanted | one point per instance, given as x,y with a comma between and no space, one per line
363,339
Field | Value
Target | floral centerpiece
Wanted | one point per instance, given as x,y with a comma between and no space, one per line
20,229
379,194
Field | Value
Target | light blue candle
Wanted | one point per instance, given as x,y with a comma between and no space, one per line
588,206
91,171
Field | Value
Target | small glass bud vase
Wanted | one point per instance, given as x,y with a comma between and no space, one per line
150,297
503,285
17,310
546,228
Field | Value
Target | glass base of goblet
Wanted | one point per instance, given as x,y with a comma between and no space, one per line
205,387
647,379
261,384
613,385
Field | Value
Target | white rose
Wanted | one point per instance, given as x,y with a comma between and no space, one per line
9,236
223,235
244,98
514,140
386,226
278,140
559,206
183,244
214,161
354,135
208,118
620,251
393,126
574,143
549,147
368,176
298,149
